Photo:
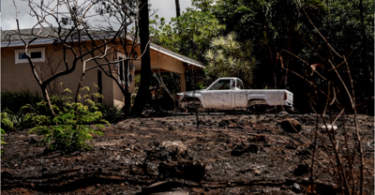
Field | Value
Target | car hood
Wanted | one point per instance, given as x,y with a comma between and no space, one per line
190,93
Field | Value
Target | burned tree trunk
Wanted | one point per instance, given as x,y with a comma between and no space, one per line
178,12
287,61
142,96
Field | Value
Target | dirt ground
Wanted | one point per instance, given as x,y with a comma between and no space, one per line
228,154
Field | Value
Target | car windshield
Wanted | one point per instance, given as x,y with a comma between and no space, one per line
221,85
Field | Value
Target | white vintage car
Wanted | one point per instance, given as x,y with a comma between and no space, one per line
228,94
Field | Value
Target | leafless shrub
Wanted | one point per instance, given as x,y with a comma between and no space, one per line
332,99
49,68
72,34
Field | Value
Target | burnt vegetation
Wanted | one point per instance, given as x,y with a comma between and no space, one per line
326,147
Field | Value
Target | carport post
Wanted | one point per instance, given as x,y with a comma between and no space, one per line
182,82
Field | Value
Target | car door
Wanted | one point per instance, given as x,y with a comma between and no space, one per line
240,96
219,95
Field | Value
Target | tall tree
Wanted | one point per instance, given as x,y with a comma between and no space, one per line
143,92
178,11
362,30
194,29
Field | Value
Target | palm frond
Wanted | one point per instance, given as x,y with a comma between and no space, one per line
209,55
232,36
218,42
315,4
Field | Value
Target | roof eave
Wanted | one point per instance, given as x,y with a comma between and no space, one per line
153,46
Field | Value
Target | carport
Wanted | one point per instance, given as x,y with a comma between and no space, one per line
164,60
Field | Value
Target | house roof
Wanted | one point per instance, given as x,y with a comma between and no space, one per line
10,38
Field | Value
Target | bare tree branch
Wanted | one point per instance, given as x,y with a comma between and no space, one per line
324,39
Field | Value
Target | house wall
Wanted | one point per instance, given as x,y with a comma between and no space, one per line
118,97
17,77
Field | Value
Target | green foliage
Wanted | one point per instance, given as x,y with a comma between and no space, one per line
18,120
201,85
4,122
227,57
70,129
111,114
189,33
344,30
315,4
203,5
276,25
13,101
2,132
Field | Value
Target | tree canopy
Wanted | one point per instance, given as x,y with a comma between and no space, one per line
294,30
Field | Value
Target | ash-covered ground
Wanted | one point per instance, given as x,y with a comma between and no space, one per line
227,154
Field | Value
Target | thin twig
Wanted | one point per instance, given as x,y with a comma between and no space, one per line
359,140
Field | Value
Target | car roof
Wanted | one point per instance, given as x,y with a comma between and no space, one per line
229,78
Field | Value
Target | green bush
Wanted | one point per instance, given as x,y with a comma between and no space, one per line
4,122
70,129
111,113
13,101
200,85
17,119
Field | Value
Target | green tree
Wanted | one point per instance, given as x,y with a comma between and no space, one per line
350,30
283,25
188,34
276,26
265,22
228,57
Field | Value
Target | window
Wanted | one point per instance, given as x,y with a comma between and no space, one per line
239,84
221,85
36,54
121,69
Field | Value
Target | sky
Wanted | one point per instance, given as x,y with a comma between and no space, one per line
165,8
